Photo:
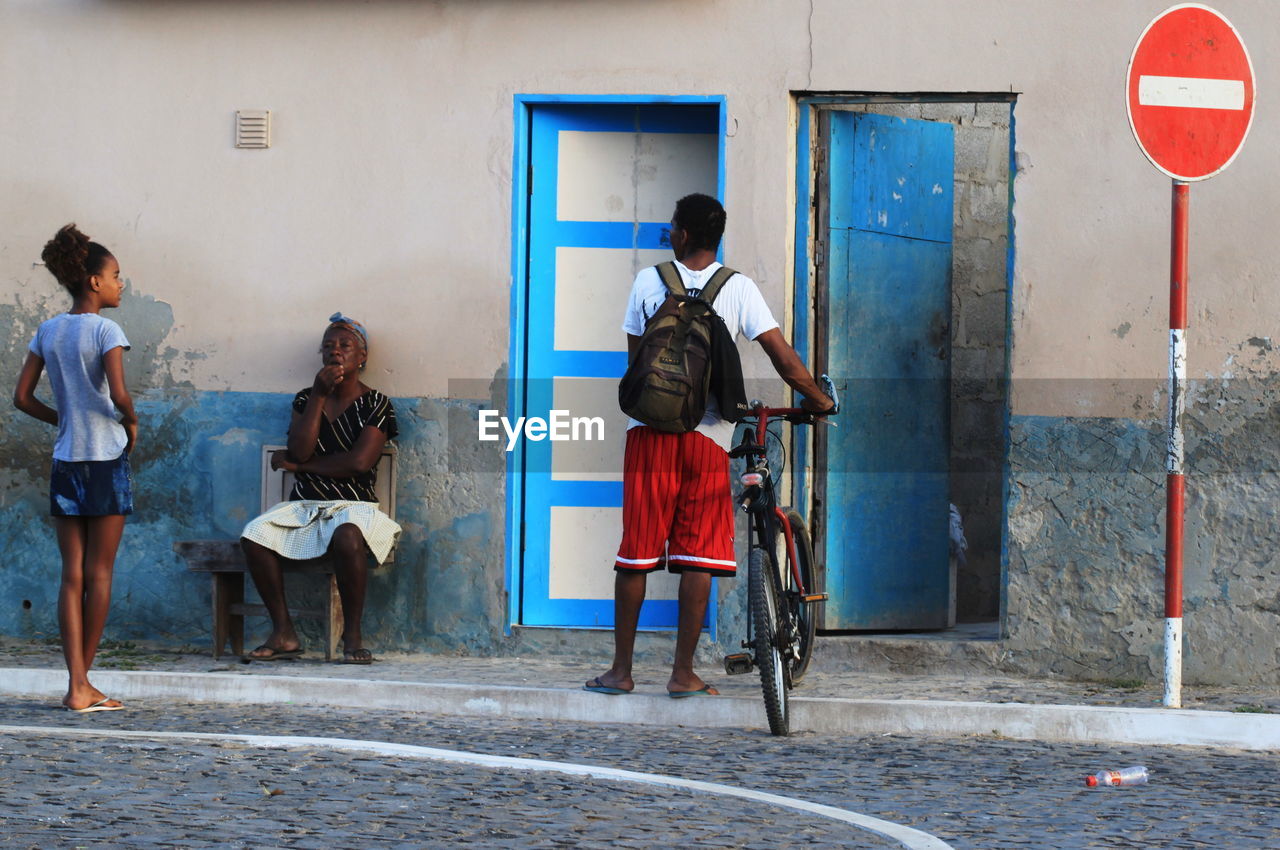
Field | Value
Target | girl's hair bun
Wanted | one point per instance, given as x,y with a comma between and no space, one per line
72,258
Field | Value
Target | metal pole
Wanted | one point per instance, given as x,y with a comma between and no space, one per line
1174,466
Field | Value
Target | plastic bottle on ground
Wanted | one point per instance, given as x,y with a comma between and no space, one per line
1136,775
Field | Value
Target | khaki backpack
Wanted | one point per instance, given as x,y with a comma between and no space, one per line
666,383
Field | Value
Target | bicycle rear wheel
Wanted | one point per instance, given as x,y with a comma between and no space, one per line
763,599
804,616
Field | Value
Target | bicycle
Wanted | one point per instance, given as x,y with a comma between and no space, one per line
782,593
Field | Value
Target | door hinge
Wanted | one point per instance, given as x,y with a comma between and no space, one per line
529,178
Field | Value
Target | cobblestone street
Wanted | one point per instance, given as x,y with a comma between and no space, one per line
971,793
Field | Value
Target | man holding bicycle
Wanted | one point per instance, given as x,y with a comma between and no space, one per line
677,504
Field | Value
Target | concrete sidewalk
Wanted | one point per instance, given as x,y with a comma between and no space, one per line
832,700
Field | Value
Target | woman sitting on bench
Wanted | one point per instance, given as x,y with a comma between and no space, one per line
336,436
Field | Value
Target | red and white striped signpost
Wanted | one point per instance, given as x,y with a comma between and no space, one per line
1190,99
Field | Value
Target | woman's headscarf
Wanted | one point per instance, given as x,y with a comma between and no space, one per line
337,320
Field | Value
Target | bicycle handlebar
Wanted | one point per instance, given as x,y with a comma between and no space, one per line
798,415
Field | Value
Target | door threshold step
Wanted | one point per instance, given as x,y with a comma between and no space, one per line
979,631
971,647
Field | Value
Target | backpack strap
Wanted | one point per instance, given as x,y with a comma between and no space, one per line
671,278
717,282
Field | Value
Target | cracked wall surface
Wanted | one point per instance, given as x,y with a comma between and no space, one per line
196,476
1087,547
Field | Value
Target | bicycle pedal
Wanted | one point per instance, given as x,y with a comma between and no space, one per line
814,597
739,662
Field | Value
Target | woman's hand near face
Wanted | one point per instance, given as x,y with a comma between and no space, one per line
328,379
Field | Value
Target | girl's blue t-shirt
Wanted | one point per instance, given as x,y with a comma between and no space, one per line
72,347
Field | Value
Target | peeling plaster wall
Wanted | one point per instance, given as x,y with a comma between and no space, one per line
1085,575
196,477
1086,528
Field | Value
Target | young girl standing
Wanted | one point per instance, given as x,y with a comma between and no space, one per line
89,490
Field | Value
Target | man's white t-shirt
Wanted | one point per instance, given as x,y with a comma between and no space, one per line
739,303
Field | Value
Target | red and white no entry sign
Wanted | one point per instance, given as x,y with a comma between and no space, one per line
1190,92
1190,99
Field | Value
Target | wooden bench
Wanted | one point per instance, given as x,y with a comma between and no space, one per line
224,562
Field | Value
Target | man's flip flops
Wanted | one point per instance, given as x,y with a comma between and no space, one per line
276,654
100,705
704,691
596,686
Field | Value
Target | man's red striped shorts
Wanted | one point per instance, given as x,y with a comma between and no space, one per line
676,501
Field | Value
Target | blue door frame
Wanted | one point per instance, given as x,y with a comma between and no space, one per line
518,402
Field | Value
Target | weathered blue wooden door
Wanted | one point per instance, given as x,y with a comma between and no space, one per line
889,292
604,180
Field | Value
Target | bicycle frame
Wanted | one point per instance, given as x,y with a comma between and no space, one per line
754,504
778,615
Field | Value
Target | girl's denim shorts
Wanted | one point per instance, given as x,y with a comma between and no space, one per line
91,487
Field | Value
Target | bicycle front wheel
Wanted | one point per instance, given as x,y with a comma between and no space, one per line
763,598
804,615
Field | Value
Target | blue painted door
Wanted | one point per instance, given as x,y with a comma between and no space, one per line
888,342
604,181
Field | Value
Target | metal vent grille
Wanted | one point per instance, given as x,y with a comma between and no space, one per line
253,128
